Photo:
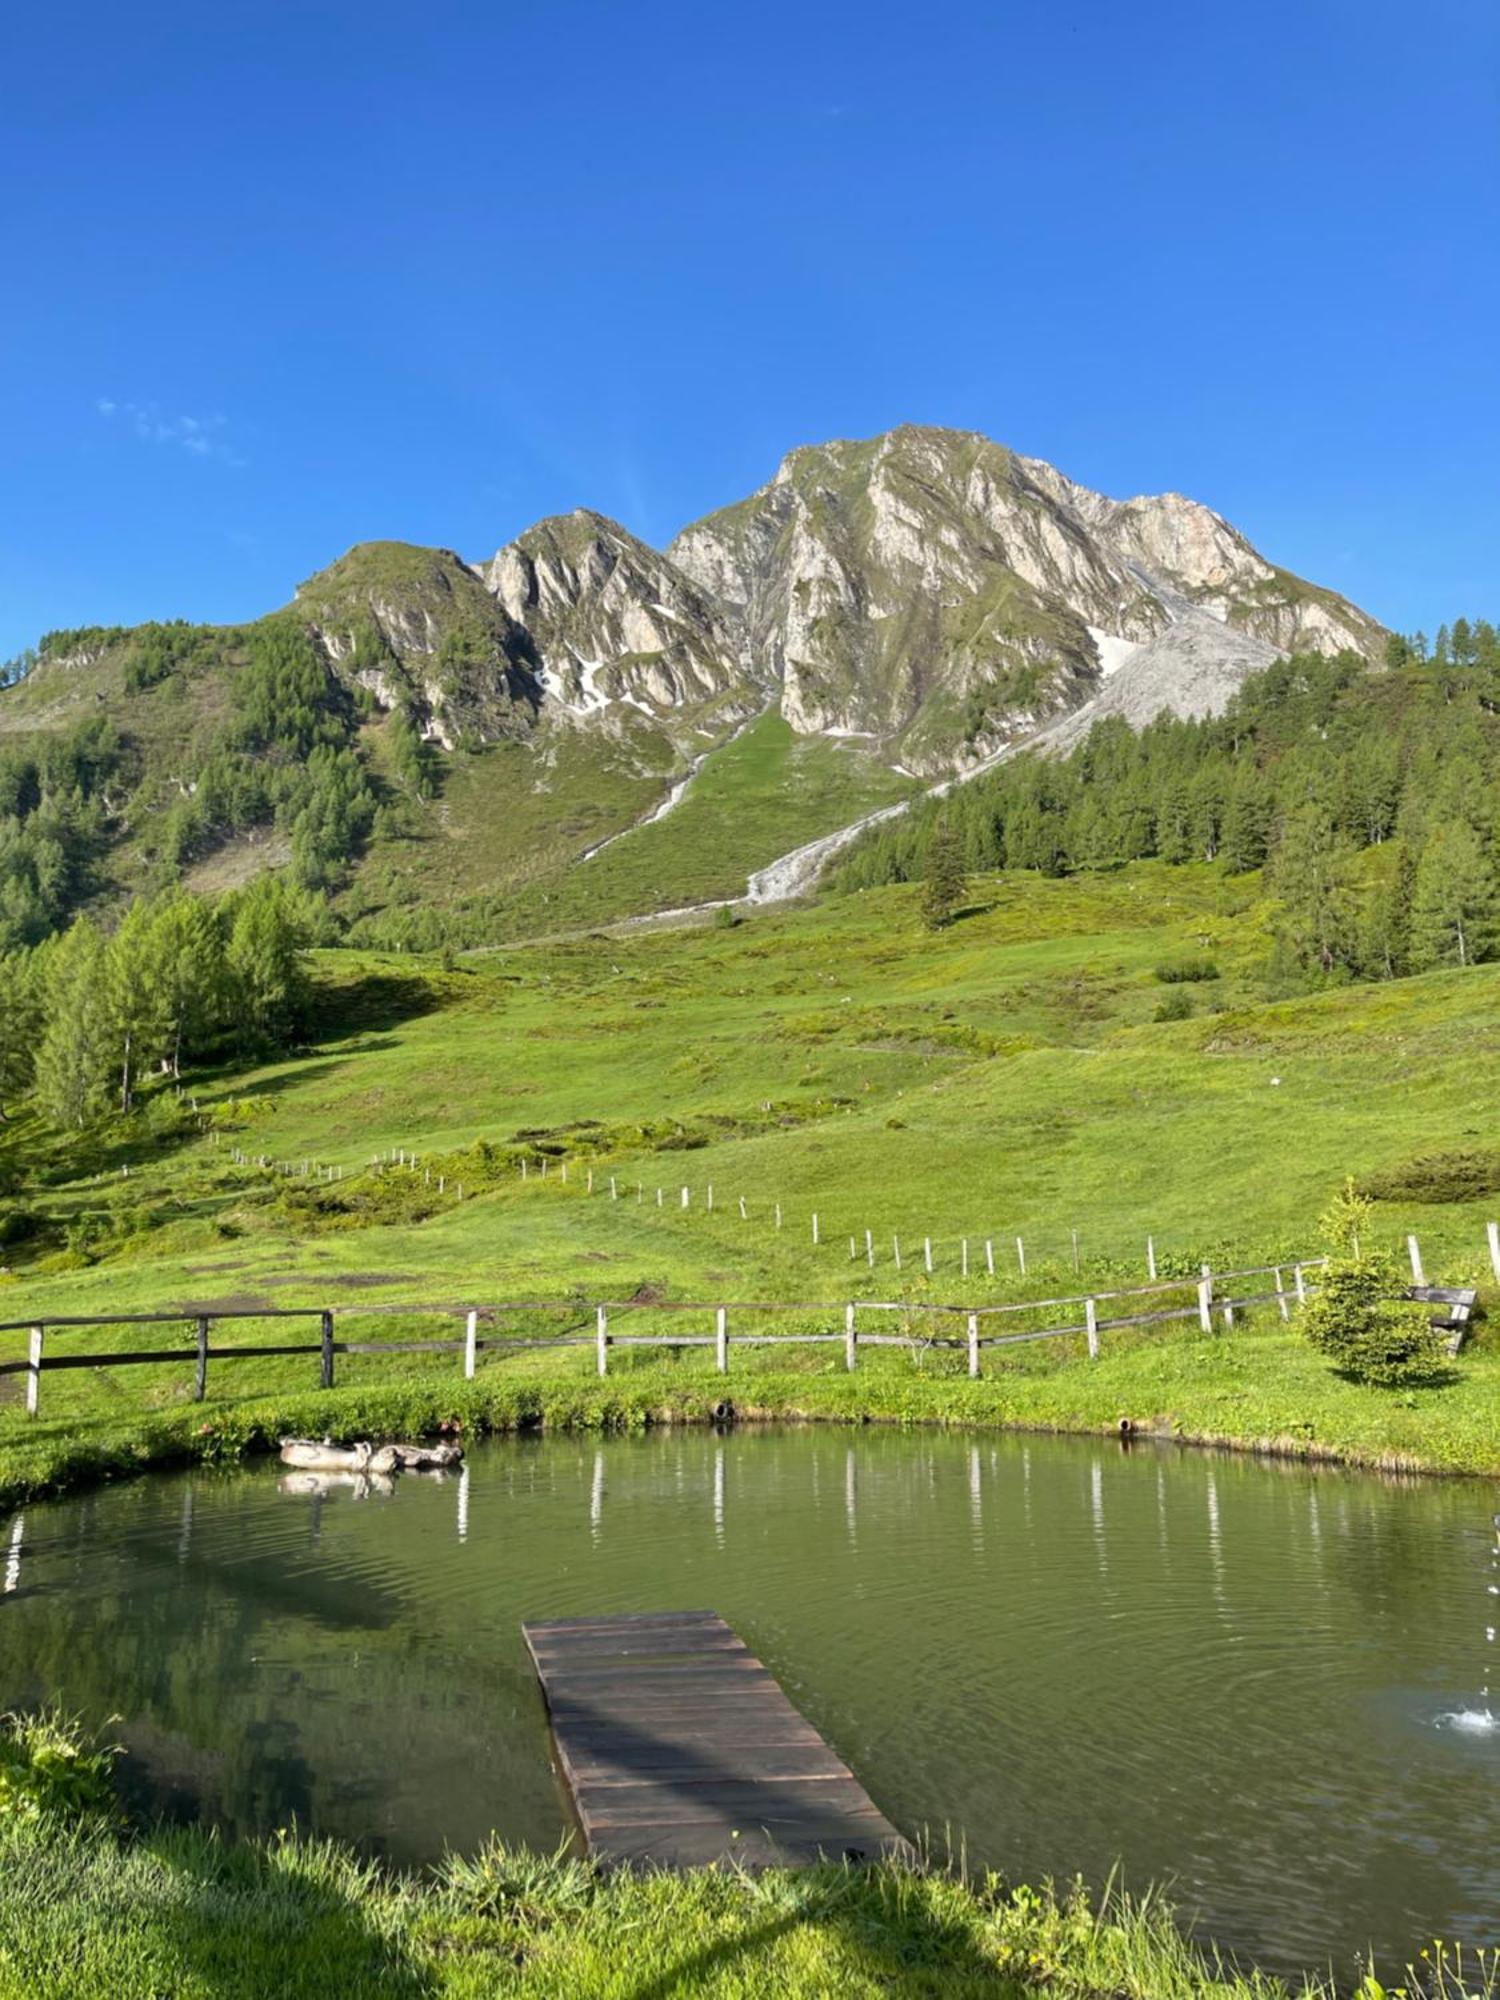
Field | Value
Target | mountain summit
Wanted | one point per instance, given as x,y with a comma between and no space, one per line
944,596
928,595
417,731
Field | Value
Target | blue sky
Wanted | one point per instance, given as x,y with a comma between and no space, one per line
282,278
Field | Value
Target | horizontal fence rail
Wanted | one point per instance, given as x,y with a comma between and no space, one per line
1210,1297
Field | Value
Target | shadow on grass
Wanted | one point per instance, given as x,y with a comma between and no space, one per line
252,1922
882,1917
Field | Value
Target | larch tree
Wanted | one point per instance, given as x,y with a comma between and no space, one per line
944,884
73,1063
1455,914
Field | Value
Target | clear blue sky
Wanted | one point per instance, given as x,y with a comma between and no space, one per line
281,278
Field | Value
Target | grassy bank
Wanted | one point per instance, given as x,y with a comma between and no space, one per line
90,1906
1259,1387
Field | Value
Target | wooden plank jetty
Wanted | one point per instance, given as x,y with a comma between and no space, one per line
680,1749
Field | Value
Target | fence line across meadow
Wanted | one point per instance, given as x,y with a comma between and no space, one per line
1208,1289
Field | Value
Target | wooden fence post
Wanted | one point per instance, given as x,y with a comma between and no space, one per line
471,1345
1091,1327
1228,1315
686,1197
989,1255
1415,1253
927,1251
1021,1255
973,1343
778,1215
1285,1309
815,1226
869,1250
1206,1304
721,1339
601,1335
896,1250
1300,1283
742,1208
710,1197
1494,1236
200,1380
850,1336
34,1364
1075,1250
1151,1259
325,1341
964,1256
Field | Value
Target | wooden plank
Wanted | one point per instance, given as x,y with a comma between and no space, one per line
680,1749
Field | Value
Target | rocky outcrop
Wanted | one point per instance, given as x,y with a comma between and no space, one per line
928,594
943,596
419,631
608,620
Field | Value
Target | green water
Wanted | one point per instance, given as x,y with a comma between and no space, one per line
1265,1685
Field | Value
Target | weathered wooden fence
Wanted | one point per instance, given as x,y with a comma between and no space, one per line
919,1326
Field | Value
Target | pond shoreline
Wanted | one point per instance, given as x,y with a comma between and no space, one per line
56,1464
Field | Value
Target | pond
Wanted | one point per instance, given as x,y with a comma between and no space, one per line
1265,1685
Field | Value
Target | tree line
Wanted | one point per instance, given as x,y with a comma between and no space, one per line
1372,801
285,754
90,1016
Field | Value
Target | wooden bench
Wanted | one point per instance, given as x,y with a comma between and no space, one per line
1461,1304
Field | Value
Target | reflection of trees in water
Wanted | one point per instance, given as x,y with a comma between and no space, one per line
259,1687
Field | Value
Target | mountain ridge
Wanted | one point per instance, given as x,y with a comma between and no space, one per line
882,615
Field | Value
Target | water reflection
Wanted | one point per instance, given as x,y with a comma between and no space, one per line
1257,1654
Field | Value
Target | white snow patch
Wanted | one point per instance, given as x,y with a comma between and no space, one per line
1113,650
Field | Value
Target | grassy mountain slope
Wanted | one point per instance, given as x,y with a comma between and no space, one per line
1007,1077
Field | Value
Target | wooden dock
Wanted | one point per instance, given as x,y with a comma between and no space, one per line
680,1749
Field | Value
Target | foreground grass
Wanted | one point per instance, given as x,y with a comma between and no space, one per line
89,1906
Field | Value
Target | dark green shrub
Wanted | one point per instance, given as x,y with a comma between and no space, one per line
1358,1320
1461,1176
1176,1007
47,1766
1187,972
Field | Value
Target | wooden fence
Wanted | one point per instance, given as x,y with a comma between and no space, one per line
922,1326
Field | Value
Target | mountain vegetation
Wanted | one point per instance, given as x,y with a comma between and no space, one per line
1369,799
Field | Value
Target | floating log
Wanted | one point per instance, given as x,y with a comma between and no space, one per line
310,1455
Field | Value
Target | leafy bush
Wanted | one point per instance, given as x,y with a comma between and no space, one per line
1460,1176
1368,1334
1176,1007
1187,972
47,1766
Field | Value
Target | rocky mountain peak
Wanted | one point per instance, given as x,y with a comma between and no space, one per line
609,620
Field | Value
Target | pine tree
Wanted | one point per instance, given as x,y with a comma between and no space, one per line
20,1024
943,884
1385,935
1311,875
131,1002
188,954
1455,901
73,1066
266,975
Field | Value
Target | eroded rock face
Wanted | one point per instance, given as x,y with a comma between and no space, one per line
609,620
942,595
928,594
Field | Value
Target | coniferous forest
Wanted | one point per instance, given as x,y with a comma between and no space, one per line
1371,800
